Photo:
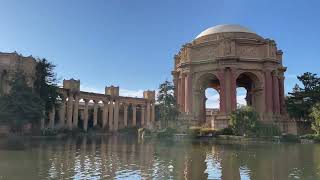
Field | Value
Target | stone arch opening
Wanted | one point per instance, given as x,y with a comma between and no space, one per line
252,84
207,83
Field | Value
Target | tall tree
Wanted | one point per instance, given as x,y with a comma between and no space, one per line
21,105
167,107
45,83
302,99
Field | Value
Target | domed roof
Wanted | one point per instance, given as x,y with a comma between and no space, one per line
224,28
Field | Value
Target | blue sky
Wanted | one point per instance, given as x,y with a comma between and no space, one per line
131,44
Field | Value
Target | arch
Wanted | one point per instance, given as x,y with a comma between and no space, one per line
251,82
204,82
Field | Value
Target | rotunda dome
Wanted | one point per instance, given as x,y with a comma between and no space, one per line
224,28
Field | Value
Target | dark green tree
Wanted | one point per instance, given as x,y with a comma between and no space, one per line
166,107
21,105
302,99
244,120
45,83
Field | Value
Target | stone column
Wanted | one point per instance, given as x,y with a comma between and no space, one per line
125,115
69,115
148,113
76,112
116,115
276,100
95,113
282,100
182,91
142,116
188,93
153,112
268,91
52,115
86,114
221,76
62,113
233,91
179,92
111,115
105,114
134,115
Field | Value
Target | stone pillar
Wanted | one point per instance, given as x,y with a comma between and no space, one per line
125,115
233,91
142,116
268,92
76,112
276,100
134,115
69,115
221,77
95,113
105,114
116,115
86,114
188,93
176,88
282,100
62,113
148,113
179,93
52,115
111,115
153,112
182,92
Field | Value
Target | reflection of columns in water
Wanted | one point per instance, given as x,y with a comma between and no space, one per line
230,165
76,112
111,115
62,112
196,163
95,113
105,114
86,114
69,115
134,115
125,115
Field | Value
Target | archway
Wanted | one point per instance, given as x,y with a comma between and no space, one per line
249,85
208,95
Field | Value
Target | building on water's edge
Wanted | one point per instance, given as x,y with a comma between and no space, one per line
226,57
84,110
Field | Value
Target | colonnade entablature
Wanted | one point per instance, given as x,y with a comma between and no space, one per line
110,111
225,58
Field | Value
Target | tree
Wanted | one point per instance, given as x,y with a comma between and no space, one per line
167,107
45,83
244,120
315,114
301,100
21,105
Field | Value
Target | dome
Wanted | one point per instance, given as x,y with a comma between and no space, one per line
224,28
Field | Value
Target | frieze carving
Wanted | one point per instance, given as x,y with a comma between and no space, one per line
248,51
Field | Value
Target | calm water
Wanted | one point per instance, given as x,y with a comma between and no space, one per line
127,158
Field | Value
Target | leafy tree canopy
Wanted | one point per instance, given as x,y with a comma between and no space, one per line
22,105
45,83
167,108
302,99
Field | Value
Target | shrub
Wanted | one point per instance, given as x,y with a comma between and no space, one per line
267,130
49,132
226,131
166,133
244,120
194,131
315,114
290,138
206,131
129,130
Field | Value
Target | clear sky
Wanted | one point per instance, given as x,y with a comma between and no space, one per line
131,44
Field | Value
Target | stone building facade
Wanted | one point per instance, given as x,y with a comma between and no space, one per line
79,109
226,57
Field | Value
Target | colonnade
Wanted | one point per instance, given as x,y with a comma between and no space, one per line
108,112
